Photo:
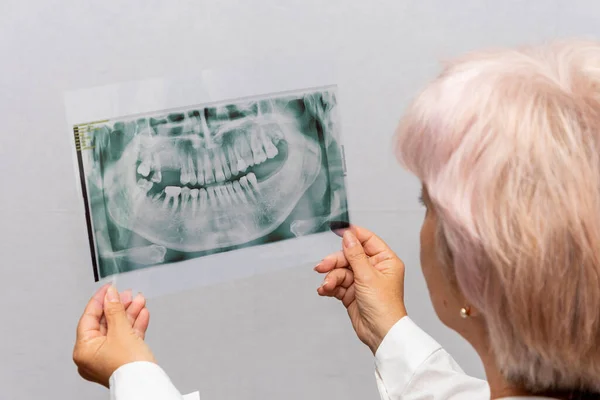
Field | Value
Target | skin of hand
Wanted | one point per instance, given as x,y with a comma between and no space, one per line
111,334
368,278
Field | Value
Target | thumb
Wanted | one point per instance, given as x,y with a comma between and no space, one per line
116,318
358,260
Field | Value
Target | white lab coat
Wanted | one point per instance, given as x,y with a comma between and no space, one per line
409,365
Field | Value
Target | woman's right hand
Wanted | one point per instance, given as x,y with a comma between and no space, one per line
111,334
368,278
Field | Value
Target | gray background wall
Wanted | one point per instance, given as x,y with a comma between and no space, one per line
269,336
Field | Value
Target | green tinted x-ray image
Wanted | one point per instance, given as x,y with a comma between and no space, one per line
179,184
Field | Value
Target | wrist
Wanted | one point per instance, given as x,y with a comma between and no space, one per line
382,329
132,370
133,359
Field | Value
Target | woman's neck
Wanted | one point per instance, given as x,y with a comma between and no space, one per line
476,334
499,387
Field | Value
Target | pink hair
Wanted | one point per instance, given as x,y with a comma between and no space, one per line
507,143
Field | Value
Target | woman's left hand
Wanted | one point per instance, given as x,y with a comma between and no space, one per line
368,278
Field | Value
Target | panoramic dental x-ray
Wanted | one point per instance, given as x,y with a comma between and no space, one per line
180,184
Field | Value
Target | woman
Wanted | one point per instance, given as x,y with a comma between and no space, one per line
506,144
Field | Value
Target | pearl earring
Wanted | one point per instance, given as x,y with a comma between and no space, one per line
465,312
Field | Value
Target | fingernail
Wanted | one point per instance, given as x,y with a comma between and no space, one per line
349,239
112,294
337,225
317,266
324,283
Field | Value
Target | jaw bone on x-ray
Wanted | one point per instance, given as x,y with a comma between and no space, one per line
181,184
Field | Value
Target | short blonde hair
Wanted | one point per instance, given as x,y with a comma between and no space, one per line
507,143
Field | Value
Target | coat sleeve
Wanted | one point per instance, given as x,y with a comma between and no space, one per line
142,381
410,365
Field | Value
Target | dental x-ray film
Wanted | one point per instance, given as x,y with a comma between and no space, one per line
167,186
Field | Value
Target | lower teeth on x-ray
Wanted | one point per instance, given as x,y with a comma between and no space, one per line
180,184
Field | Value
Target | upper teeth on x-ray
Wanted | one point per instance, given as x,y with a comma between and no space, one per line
179,184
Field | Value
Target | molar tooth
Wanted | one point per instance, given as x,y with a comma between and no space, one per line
253,182
208,171
219,175
203,198
216,193
191,170
232,160
185,178
246,187
257,149
225,198
172,192
166,201
241,165
185,173
273,132
270,148
144,168
212,197
200,163
244,150
231,193
226,169
157,196
156,176
237,188
194,196
143,186
185,196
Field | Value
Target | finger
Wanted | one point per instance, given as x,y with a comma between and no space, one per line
327,293
338,227
126,298
141,323
90,320
103,325
332,261
116,318
339,293
356,256
372,243
338,260
335,279
348,297
338,277
133,311
345,295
